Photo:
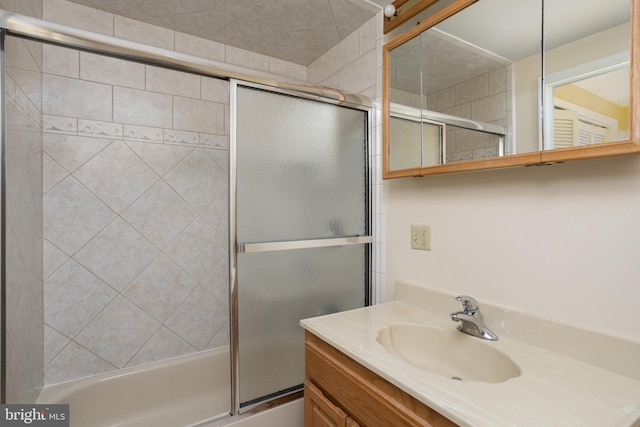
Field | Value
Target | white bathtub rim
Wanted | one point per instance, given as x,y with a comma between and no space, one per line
57,392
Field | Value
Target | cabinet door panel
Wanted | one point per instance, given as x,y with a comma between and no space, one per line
319,411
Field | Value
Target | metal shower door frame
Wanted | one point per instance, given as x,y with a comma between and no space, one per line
235,248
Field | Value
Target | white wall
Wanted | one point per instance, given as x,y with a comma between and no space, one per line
559,241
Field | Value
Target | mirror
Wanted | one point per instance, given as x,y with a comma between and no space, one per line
586,91
470,87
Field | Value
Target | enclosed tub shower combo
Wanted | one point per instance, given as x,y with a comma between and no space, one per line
185,215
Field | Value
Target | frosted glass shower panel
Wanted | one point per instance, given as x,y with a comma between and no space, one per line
300,165
278,289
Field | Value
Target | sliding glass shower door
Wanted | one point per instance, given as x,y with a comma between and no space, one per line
302,230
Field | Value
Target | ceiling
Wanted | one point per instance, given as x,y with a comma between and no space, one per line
298,31
486,22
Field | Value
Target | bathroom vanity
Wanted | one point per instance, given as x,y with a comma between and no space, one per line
341,390
404,363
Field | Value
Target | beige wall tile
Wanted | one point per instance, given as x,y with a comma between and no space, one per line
247,59
345,52
30,83
73,215
54,343
76,359
367,39
161,288
74,296
114,71
117,176
172,82
19,56
287,69
117,254
199,47
118,332
160,157
63,96
61,61
490,109
442,100
473,89
361,74
320,69
23,220
163,344
498,81
141,32
160,215
143,108
200,308
71,151
216,90
199,116
197,179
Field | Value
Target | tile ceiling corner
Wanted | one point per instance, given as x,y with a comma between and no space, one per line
240,23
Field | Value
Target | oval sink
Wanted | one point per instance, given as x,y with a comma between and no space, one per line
447,352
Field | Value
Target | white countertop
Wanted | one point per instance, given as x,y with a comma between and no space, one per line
552,390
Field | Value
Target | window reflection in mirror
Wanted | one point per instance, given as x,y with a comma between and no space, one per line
587,81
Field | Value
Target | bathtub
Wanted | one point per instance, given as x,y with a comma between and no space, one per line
181,391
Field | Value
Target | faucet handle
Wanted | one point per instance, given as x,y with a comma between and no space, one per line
469,304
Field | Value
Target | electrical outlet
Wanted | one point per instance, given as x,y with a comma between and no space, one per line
421,237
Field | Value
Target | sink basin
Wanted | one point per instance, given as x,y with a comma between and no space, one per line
448,352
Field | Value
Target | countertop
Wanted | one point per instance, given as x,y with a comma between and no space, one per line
569,376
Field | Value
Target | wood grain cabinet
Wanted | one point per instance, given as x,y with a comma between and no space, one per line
341,392
320,412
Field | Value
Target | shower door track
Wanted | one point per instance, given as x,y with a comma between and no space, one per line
65,36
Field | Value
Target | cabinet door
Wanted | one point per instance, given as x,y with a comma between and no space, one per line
320,412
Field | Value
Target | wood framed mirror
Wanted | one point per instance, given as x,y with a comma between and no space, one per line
490,83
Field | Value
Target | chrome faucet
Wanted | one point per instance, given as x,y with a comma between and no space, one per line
470,319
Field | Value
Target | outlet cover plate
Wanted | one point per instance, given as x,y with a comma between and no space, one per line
421,237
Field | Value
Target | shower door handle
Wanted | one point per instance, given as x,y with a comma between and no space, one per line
302,244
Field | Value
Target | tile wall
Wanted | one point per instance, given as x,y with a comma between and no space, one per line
23,213
485,98
135,213
135,183
134,180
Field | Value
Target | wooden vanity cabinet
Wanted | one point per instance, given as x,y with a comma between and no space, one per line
320,412
341,392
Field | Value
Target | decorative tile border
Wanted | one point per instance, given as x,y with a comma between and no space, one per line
181,137
60,124
209,140
143,133
99,129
